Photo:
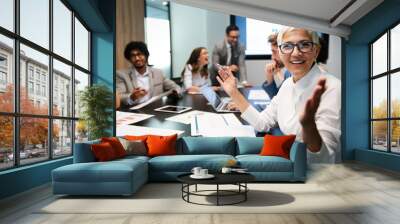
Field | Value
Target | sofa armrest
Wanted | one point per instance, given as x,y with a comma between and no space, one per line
83,152
298,155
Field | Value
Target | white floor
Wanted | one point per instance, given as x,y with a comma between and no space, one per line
378,189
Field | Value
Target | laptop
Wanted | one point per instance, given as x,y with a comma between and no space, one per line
219,104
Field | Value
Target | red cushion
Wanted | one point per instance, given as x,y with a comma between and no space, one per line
161,145
116,145
277,145
103,151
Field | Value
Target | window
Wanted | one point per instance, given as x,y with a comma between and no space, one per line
255,35
37,75
44,91
37,89
46,129
43,77
81,45
62,32
385,94
6,73
30,87
6,142
3,61
30,72
62,74
7,14
157,24
3,78
35,22
62,137
81,81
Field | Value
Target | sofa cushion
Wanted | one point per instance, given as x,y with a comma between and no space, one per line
206,145
134,147
185,163
136,137
103,152
112,171
249,145
116,145
257,163
277,145
161,145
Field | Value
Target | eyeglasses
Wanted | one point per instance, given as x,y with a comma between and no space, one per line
234,37
139,54
302,46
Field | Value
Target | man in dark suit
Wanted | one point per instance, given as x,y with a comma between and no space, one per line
229,53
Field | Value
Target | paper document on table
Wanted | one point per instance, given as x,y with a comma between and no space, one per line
231,119
124,118
218,125
140,130
258,94
154,98
186,118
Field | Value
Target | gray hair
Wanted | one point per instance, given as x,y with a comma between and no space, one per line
313,35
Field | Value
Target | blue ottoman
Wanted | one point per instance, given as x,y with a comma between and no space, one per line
119,177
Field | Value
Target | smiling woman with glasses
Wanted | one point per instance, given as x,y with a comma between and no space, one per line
307,104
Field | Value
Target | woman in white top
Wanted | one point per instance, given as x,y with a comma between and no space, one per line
307,104
195,73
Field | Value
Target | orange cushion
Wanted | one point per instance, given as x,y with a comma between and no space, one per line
116,145
103,151
277,145
161,145
136,138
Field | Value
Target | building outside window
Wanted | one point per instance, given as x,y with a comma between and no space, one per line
3,72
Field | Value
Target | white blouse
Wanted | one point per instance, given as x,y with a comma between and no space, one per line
287,106
193,79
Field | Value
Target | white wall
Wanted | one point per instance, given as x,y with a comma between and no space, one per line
193,27
334,63
188,31
216,25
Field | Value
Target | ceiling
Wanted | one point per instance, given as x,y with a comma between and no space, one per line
320,9
328,16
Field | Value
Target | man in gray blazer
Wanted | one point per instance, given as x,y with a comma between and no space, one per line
229,53
141,82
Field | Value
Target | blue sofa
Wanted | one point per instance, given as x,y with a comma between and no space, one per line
125,176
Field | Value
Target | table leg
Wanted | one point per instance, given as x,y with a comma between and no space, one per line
196,188
245,191
188,190
217,194
182,190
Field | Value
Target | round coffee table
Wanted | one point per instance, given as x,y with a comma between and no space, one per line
238,179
